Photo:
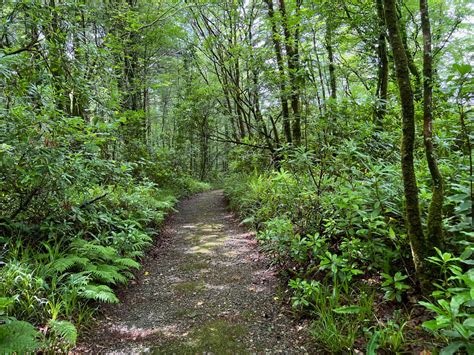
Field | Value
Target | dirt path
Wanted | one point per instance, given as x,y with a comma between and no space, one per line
206,290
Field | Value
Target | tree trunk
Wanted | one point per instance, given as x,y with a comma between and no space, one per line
411,63
285,112
414,225
332,67
291,45
382,82
435,213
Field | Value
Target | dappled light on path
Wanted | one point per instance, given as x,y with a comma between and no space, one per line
206,290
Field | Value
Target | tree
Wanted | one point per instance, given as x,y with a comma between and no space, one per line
294,70
285,112
419,246
382,62
435,213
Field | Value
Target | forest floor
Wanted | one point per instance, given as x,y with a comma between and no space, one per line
204,288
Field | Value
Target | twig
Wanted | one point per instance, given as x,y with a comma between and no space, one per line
90,202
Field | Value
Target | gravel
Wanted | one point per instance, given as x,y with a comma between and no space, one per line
204,288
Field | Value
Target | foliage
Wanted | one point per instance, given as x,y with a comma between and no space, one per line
337,237
336,327
454,302
394,286
111,112
16,336
389,336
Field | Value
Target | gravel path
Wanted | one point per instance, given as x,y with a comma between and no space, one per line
205,289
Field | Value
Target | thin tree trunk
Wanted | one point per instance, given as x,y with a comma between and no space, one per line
285,111
382,82
291,45
412,210
332,67
435,213
411,63
321,79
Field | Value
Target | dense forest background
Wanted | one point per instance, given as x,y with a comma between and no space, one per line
112,110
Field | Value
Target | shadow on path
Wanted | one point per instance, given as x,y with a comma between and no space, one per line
208,290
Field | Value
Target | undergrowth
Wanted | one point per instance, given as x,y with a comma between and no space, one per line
56,270
340,243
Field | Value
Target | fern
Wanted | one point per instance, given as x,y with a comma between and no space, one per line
63,264
65,330
99,293
140,245
93,251
79,279
18,337
128,274
136,254
127,262
106,273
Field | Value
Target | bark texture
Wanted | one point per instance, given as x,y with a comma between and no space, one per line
292,51
382,81
435,213
285,111
412,210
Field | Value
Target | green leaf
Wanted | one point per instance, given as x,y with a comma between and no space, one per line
373,344
399,277
249,220
391,233
469,323
451,348
462,68
432,325
353,309
456,302
130,263
63,264
458,327
431,307
5,303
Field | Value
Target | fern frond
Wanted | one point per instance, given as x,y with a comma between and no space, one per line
65,330
78,279
140,245
106,273
127,262
94,251
101,293
128,275
18,337
63,264
135,254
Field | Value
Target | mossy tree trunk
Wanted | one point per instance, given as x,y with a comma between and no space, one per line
285,111
435,217
329,48
419,245
292,51
382,75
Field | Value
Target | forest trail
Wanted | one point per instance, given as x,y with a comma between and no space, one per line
204,289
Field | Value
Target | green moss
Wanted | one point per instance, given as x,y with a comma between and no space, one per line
189,287
194,266
217,337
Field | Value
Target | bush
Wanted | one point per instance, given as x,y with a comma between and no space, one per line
66,247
